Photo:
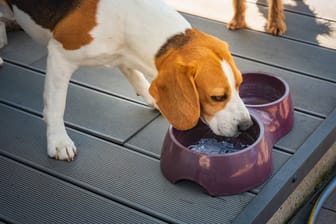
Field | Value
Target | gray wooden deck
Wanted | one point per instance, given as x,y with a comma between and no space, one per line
116,176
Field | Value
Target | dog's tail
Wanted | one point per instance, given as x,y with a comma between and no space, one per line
6,10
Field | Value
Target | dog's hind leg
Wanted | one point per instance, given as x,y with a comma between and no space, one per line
276,19
238,20
3,38
59,72
139,83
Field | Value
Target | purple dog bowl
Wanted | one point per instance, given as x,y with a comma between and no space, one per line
269,102
269,98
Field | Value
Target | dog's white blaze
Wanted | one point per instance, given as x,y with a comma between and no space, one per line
225,122
229,73
37,32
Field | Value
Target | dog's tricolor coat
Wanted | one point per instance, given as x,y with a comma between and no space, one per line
194,73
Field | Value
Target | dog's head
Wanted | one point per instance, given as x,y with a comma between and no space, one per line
197,78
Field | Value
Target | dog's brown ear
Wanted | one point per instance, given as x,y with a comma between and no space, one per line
175,93
219,48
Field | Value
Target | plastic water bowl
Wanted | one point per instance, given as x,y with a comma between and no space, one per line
269,102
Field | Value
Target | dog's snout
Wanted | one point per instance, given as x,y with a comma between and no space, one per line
244,125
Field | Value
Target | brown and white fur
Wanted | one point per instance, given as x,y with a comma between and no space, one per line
194,73
276,20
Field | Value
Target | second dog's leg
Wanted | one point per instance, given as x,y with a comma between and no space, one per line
3,38
238,20
59,71
276,20
139,83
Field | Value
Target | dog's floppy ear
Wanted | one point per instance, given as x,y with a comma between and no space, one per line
175,93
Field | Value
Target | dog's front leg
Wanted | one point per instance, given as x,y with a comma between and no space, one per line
59,71
139,83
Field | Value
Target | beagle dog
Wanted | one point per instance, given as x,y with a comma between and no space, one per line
276,19
194,73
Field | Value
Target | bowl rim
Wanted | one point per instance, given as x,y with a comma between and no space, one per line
248,148
286,93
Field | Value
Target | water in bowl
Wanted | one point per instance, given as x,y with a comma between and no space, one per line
223,145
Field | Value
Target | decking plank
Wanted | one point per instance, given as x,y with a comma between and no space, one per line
25,88
304,125
106,79
313,124
111,80
303,27
158,128
30,196
276,191
312,8
21,48
316,31
326,216
307,92
118,173
331,202
129,173
256,46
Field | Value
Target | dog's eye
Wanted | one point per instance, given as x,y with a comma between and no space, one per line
219,98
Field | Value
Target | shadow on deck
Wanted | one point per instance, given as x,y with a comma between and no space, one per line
116,177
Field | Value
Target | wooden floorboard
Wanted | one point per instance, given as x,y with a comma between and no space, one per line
116,173
29,52
116,176
30,196
263,48
312,8
29,87
29,93
326,216
305,23
112,81
301,88
330,204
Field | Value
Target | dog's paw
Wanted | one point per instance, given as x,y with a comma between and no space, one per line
1,62
276,28
150,100
61,147
236,23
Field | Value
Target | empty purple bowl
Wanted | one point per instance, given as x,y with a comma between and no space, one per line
269,102
269,98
